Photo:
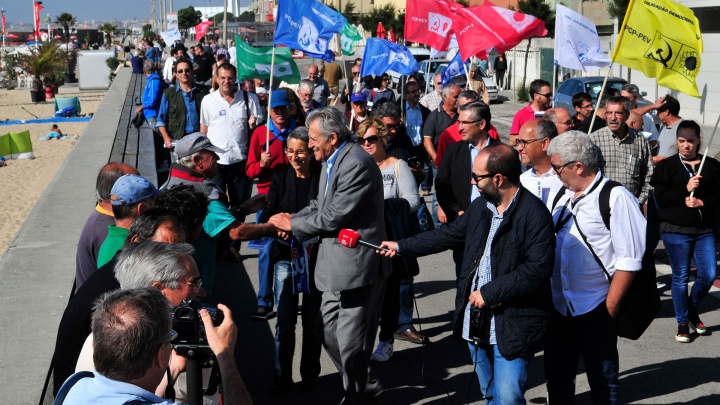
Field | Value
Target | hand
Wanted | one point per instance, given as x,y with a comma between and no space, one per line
476,299
693,183
391,249
168,142
281,221
693,202
347,91
612,310
442,218
177,364
460,213
221,339
252,121
264,160
283,235
659,103
137,110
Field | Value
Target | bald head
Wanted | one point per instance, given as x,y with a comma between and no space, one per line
107,177
635,121
561,118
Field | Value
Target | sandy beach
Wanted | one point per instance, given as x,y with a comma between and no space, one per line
22,181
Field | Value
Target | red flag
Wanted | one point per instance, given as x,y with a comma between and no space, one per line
480,28
201,29
429,22
37,7
3,24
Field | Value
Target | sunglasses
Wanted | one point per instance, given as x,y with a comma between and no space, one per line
372,140
390,127
181,71
356,73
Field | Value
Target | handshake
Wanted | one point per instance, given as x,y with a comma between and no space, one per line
282,222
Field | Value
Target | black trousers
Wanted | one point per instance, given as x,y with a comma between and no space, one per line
233,180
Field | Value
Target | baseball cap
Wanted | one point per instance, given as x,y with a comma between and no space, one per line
194,143
131,189
358,97
280,99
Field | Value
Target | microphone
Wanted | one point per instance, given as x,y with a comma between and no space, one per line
350,239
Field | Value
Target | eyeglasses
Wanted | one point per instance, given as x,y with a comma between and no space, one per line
196,285
356,73
390,127
438,83
296,152
568,122
465,123
386,79
479,177
546,95
181,71
524,143
280,109
559,169
372,140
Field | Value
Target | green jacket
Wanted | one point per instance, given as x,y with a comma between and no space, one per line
175,119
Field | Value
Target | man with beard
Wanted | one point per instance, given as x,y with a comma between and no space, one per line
504,286
305,93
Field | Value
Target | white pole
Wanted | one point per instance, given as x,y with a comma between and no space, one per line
554,83
602,90
267,126
707,146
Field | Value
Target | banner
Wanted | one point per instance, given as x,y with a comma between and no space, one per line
4,31
36,8
307,26
663,40
348,37
577,45
256,61
454,68
381,55
171,35
483,27
429,22
201,29
172,20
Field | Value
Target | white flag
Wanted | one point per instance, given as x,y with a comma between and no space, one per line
170,36
577,45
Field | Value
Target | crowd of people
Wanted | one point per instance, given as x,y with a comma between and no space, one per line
538,264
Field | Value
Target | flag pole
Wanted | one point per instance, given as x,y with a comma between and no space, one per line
342,66
707,146
267,126
554,83
602,91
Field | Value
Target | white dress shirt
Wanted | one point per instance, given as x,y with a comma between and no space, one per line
544,186
227,124
579,285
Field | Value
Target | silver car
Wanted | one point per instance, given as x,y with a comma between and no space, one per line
430,67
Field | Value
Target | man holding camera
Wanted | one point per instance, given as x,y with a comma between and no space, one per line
133,335
504,285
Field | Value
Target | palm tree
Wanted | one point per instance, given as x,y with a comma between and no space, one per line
109,30
67,20
42,62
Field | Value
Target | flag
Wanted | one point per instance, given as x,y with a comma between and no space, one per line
438,54
454,68
36,8
577,45
429,22
4,32
381,55
201,29
171,35
256,61
483,27
307,26
663,40
348,37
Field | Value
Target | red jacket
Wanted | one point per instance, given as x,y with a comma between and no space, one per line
277,154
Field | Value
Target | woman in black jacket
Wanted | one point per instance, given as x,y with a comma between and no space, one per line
687,198
291,190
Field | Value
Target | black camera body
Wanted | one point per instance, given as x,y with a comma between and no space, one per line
189,326
479,325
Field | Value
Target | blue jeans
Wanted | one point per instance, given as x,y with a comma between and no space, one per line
681,249
287,307
265,276
405,316
502,381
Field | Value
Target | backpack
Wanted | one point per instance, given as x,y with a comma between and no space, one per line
642,300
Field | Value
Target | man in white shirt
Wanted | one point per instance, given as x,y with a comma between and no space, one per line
586,292
433,99
168,68
532,145
227,118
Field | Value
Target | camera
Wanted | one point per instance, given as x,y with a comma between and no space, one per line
189,326
479,325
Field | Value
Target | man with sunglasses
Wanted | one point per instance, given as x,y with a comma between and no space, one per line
583,105
351,87
179,113
561,118
540,100
503,286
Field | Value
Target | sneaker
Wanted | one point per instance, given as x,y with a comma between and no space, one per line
696,323
683,333
383,352
263,313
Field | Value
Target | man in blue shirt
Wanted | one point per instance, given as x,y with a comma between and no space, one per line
152,94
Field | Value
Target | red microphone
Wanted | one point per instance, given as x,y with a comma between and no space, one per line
350,239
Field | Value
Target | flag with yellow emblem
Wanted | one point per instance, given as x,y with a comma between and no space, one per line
662,39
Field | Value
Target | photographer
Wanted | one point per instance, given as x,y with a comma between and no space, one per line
133,335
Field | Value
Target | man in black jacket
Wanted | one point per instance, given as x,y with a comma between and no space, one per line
509,255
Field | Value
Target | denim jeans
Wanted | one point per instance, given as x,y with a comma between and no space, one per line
405,316
681,249
427,184
502,381
265,276
287,307
434,210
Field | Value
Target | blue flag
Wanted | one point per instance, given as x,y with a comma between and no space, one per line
454,68
307,26
381,56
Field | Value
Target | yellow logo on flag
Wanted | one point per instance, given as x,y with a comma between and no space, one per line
663,40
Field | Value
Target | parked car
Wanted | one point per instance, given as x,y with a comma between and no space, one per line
592,85
420,55
432,67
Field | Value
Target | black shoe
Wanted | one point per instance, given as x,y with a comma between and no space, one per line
307,385
280,386
263,313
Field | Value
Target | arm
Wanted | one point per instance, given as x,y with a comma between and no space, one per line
407,188
654,106
618,287
667,194
430,148
253,168
275,193
646,172
242,231
255,111
161,119
444,190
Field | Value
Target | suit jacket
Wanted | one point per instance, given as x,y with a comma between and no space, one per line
454,179
354,199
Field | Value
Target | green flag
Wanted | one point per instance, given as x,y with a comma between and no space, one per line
255,62
348,37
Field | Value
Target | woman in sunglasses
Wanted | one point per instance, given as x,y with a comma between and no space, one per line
381,89
398,183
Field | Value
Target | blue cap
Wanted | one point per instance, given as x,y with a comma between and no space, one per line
279,99
131,189
358,97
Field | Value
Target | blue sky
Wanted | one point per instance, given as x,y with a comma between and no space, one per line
22,10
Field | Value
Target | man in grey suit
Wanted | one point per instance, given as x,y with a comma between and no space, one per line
352,280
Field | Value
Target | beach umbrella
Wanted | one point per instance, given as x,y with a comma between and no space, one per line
380,31
11,36
73,37
31,36
391,36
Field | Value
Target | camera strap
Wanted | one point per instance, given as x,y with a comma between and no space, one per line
215,380
170,388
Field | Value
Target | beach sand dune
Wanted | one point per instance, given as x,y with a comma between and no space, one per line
23,181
